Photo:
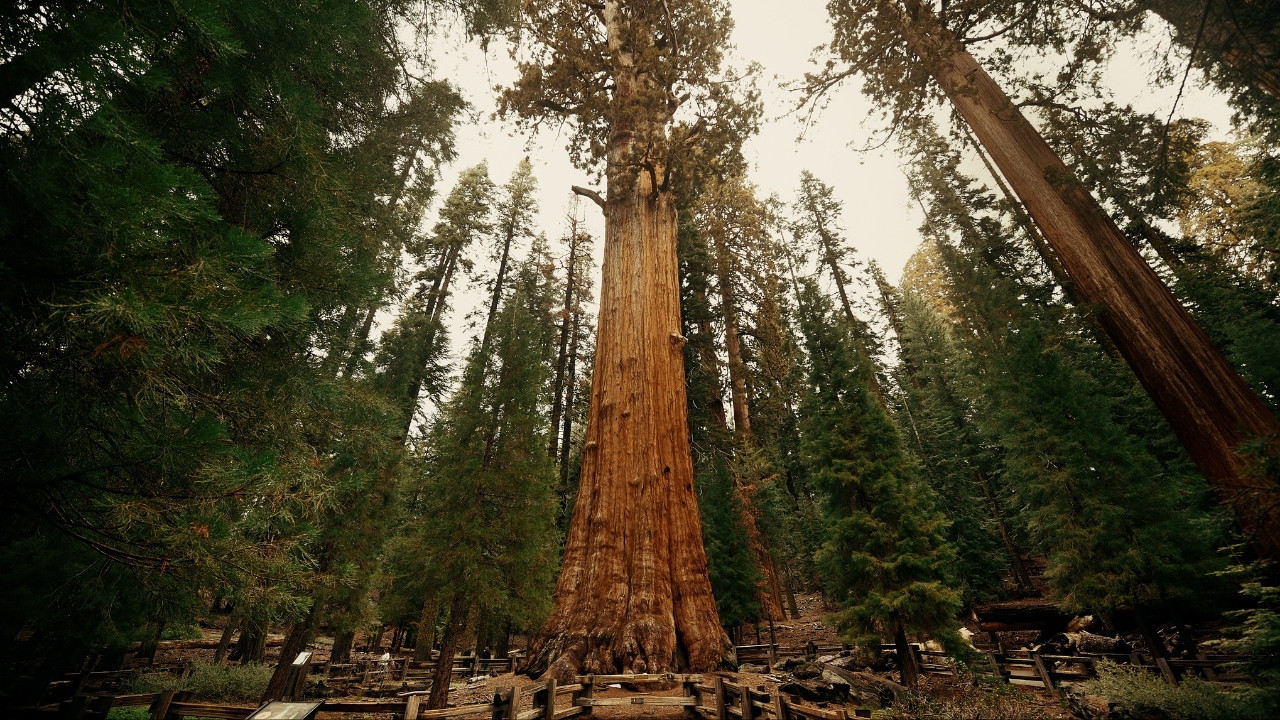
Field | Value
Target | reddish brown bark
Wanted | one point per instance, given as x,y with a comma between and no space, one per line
633,594
733,346
443,674
633,584
1210,407
768,593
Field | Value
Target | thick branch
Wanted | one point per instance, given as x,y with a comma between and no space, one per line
588,193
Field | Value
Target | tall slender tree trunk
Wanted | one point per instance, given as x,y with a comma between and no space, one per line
434,310
790,588
1210,407
1019,566
224,642
633,594
426,631
499,277
453,632
566,325
733,346
907,667
571,385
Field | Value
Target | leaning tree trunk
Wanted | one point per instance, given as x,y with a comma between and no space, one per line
633,594
296,642
1210,407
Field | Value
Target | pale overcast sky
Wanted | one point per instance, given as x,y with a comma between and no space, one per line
880,220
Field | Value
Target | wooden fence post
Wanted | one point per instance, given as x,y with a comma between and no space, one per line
72,709
549,710
1166,671
588,692
1043,671
411,704
160,706
722,710
513,704
779,706
744,702
99,708
691,690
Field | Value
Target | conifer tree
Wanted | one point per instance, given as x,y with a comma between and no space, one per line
484,538
194,196
885,559
618,72
1209,405
957,461
1116,514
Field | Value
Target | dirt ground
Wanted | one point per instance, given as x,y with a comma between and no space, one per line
938,696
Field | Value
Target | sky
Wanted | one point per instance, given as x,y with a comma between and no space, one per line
879,218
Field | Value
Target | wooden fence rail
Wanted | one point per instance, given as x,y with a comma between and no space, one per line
719,700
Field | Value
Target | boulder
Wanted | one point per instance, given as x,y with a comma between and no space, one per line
751,668
815,692
807,671
864,687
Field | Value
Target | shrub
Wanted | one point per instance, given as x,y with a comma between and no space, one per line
1139,690
232,683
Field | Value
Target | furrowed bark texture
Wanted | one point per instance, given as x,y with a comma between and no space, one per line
633,584
1210,407
633,594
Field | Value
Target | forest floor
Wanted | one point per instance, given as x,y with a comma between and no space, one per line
962,698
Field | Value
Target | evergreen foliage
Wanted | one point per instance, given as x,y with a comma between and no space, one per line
885,558
1119,513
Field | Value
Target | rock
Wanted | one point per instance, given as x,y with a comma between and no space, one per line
864,687
750,668
826,658
815,691
792,662
807,671
1095,707
1093,643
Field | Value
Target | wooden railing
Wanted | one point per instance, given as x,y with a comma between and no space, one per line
719,699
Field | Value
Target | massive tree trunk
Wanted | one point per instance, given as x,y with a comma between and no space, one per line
633,594
1210,407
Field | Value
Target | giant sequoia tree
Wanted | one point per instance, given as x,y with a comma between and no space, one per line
633,593
1210,407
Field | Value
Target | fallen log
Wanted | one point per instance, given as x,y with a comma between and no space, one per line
1021,615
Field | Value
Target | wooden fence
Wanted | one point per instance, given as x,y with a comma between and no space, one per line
718,699
1029,668
1049,671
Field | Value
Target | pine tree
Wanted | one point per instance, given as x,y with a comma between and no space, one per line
1116,514
194,197
1207,402
885,560
484,539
